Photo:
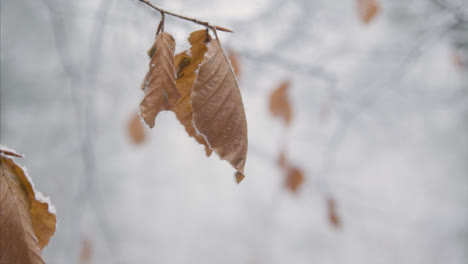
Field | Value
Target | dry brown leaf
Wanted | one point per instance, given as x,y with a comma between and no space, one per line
136,130
367,9
234,62
186,66
279,103
160,83
332,215
25,222
294,179
218,111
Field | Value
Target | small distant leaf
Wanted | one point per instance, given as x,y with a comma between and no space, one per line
332,215
26,223
279,103
86,251
457,59
186,66
218,111
234,62
282,161
160,82
136,130
294,179
367,9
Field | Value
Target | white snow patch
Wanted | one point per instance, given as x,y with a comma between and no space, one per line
230,65
26,173
37,194
41,198
199,133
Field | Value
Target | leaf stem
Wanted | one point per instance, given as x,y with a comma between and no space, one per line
203,23
161,24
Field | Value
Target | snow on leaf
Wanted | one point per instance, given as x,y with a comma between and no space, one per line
187,63
160,84
279,103
218,111
26,223
233,57
4,150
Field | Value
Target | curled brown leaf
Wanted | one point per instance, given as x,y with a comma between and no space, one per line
160,82
25,222
218,111
186,65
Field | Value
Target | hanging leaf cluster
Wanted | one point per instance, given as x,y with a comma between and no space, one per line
27,222
199,85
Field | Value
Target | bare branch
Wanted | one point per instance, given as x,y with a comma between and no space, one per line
203,23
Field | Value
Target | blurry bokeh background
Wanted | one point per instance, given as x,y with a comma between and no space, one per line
380,127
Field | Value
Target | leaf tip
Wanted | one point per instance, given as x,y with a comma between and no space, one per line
239,176
224,29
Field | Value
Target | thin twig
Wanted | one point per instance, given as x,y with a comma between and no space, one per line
203,23
10,153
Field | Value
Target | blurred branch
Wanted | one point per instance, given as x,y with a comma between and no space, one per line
455,10
58,30
369,98
73,76
294,66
